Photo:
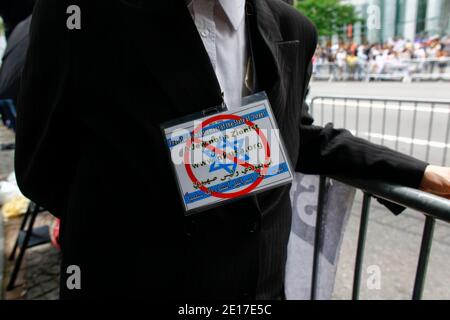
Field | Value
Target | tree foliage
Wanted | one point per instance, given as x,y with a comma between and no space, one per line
330,16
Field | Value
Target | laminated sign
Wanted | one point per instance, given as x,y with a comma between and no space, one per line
227,155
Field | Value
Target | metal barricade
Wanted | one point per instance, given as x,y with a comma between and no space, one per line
420,128
432,206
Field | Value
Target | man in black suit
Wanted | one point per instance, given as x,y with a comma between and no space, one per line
90,149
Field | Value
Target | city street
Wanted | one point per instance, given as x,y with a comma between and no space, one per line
393,243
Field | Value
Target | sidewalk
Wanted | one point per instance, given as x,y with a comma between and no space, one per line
38,278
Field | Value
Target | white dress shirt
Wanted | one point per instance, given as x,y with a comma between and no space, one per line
221,25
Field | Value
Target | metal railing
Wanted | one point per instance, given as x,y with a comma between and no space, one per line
417,127
398,70
432,206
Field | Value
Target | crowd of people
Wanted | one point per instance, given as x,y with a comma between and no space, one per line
356,61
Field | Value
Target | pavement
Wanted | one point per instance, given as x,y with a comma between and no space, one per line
2,255
6,157
392,245
38,278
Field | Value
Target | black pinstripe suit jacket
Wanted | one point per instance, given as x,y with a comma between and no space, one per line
89,148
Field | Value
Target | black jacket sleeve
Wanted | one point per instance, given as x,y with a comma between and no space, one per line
47,137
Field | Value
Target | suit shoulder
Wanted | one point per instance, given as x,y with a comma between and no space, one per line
294,25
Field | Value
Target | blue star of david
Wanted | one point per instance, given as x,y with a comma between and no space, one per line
221,165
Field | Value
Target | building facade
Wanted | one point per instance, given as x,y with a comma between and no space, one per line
409,19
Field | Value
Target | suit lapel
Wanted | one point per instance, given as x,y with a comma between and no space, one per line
169,43
274,57
275,60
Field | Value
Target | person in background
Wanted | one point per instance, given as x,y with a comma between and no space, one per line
341,61
352,63
442,61
362,62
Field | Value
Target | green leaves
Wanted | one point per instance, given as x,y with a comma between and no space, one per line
330,16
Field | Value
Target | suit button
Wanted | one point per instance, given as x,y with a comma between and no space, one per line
254,227
245,296
190,228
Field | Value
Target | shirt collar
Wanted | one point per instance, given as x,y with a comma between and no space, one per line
234,10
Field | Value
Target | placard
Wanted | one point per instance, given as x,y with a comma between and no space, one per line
227,155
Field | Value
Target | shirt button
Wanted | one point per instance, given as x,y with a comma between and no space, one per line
204,33
254,227
245,296
190,228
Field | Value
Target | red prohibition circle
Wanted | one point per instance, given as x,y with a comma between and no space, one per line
231,195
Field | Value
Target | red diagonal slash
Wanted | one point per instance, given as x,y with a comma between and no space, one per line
231,195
